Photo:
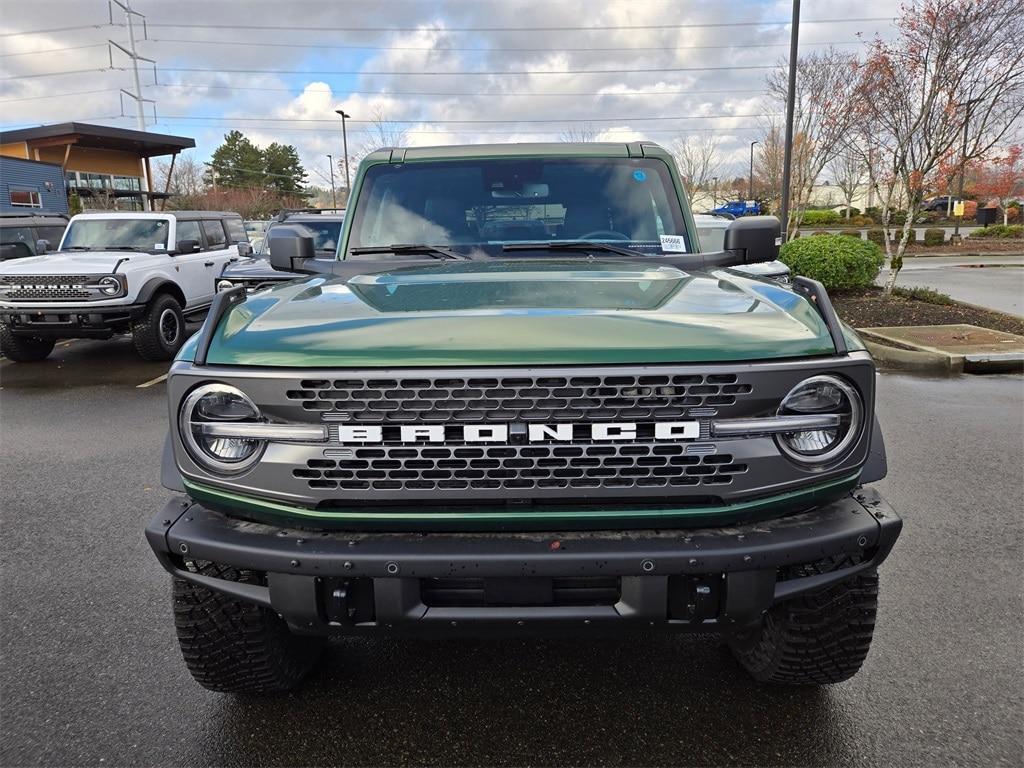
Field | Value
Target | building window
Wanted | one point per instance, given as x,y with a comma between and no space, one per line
26,198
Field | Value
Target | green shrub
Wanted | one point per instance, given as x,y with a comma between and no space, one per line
933,237
897,218
998,231
923,294
911,236
835,260
819,218
850,233
877,236
861,221
819,232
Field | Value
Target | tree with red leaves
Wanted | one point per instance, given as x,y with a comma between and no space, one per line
1002,178
947,86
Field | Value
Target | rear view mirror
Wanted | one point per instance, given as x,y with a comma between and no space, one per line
288,252
244,248
187,246
42,246
754,239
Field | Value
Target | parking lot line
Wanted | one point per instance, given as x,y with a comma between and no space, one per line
151,382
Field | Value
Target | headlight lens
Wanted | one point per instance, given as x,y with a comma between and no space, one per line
212,404
224,285
816,396
109,285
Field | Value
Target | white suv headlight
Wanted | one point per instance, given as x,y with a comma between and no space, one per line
109,285
822,395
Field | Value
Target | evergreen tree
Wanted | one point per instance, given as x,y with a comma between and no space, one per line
238,163
285,173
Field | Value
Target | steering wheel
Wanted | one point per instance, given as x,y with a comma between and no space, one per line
604,234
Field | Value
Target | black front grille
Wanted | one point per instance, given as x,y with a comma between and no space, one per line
39,287
521,467
509,399
478,593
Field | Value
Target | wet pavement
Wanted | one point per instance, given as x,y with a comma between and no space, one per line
91,673
993,282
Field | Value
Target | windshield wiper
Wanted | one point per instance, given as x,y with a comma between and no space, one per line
575,245
434,251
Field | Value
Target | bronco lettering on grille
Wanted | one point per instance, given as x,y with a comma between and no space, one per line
501,433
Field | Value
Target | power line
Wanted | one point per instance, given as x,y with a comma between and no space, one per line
502,49
525,121
52,50
461,73
68,72
465,93
60,95
612,28
56,29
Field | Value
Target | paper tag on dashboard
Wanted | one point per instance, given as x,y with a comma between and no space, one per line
673,244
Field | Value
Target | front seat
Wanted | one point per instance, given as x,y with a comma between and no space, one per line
448,214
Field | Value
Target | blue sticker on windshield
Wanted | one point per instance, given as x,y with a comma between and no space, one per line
640,175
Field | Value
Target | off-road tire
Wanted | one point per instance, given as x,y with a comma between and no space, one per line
232,646
152,332
816,639
24,349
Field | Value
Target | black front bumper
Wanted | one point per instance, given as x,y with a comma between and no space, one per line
707,579
72,322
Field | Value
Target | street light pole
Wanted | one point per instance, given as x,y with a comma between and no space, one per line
714,192
787,161
751,177
344,140
334,196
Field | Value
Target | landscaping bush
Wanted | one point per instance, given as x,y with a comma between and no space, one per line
819,218
877,236
933,237
1013,212
850,233
837,261
911,236
819,232
999,232
861,221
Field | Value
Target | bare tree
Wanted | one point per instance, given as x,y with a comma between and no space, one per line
848,172
768,162
822,115
950,79
186,178
578,133
699,160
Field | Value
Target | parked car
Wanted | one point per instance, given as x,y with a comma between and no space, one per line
256,230
940,204
523,399
137,273
739,208
29,234
255,273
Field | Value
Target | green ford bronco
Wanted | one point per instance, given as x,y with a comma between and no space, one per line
523,399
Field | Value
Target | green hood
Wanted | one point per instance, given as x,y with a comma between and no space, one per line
522,312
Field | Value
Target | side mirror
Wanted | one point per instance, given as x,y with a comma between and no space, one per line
289,252
42,246
754,238
187,246
244,248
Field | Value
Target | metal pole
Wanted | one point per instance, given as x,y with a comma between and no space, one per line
963,172
334,196
140,114
790,105
344,139
750,196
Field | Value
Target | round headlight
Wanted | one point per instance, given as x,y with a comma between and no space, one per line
818,396
205,408
111,286
224,285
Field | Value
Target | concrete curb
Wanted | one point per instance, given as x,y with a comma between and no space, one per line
894,358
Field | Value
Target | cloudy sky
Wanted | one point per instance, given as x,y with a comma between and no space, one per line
446,71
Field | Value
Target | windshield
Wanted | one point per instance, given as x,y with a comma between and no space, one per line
116,234
485,204
325,235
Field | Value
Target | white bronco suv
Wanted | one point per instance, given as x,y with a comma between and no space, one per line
118,272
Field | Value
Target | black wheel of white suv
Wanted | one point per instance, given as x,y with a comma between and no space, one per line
23,349
159,334
819,638
234,646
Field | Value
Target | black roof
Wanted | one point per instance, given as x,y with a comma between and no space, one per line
144,143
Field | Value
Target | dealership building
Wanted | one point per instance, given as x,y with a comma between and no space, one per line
105,167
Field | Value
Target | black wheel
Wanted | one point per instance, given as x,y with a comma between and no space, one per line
24,349
161,331
816,639
233,646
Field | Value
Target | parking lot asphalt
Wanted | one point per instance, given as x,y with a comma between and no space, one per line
993,282
90,673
